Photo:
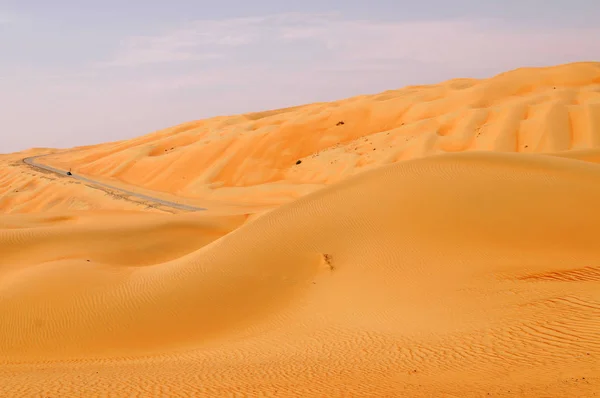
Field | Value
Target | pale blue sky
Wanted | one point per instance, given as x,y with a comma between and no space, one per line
76,72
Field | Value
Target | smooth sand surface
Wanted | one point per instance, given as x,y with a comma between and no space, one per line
441,242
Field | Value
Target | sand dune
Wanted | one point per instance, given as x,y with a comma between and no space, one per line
24,189
252,158
420,274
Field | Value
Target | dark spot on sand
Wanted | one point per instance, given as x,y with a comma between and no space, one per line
328,259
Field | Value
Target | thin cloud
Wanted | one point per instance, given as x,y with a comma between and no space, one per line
209,39
10,18
326,40
199,41
148,56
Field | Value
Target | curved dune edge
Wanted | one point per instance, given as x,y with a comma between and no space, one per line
463,272
249,161
252,158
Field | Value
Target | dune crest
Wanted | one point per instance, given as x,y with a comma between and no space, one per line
471,273
252,158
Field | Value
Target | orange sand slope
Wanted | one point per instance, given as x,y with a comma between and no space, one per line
24,189
458,273
454,275
252,158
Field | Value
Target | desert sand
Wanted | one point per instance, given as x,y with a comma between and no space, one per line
431,241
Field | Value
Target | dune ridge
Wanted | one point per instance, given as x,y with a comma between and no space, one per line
445,273
252,157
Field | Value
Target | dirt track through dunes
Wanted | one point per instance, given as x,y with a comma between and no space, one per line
252,158
25,189
460,275
32,161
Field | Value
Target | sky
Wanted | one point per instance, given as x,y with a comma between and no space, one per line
78,72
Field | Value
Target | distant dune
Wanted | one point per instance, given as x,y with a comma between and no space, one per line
252,158
432,241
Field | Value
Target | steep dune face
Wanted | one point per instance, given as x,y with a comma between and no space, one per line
253,157
457,267
441,241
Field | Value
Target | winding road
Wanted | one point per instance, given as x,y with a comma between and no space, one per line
31,162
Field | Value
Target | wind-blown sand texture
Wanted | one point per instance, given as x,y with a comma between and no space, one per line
441,242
